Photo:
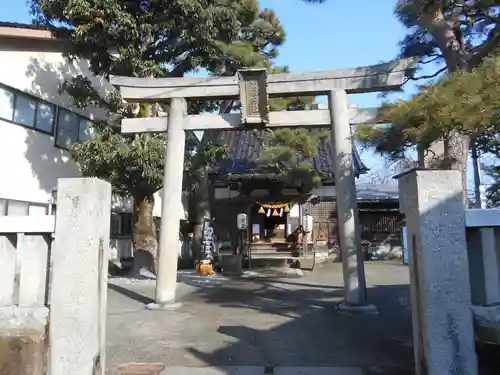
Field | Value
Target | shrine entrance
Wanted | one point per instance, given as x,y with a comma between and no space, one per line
269,223
252,87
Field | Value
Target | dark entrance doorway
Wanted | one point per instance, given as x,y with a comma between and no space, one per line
268,224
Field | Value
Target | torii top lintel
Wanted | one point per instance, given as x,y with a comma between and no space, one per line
382,77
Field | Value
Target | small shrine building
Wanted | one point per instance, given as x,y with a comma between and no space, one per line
276,209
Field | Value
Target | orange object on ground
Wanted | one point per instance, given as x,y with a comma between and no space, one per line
204,269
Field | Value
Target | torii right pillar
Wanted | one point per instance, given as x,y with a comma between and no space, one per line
347,207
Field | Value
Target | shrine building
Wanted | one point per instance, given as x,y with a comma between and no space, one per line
276,209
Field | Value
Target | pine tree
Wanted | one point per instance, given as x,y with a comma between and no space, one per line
152,39
463,102
458,36
493,190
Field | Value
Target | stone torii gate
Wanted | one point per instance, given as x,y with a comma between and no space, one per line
253,87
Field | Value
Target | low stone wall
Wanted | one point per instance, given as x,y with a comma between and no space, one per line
387,252
23,343
487,323
381,252
63,281
332,255
24,253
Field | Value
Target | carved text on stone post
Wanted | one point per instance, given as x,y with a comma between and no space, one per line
253,96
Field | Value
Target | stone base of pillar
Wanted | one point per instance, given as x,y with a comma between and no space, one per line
345,307
168,306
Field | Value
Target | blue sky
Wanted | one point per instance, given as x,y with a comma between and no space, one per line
336,34
319,37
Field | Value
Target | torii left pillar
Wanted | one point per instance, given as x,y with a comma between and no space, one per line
166,270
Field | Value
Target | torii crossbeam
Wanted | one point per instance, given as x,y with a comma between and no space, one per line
252,88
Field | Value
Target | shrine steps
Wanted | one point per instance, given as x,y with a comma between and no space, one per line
267,255
280,251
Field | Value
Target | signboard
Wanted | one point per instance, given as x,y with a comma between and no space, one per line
242,221
208,245
308,223
405,246
253,96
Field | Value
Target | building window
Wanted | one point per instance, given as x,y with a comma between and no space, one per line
126,224
25,110
121,224
71,128
84,129
30,111
45,116
67,128
6,104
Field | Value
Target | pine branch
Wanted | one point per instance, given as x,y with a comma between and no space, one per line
427,76
432,59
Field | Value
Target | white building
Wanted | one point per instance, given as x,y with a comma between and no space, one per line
38,123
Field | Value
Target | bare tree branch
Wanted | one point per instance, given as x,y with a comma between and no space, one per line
432,59
483,50
428,76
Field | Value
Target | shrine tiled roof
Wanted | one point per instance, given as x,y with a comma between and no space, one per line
379,192
245,147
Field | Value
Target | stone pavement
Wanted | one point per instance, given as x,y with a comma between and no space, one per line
155,369
229,325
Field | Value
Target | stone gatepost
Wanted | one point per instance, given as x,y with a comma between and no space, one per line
432,201
79,284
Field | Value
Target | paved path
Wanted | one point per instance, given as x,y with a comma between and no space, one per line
224,324
155,369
